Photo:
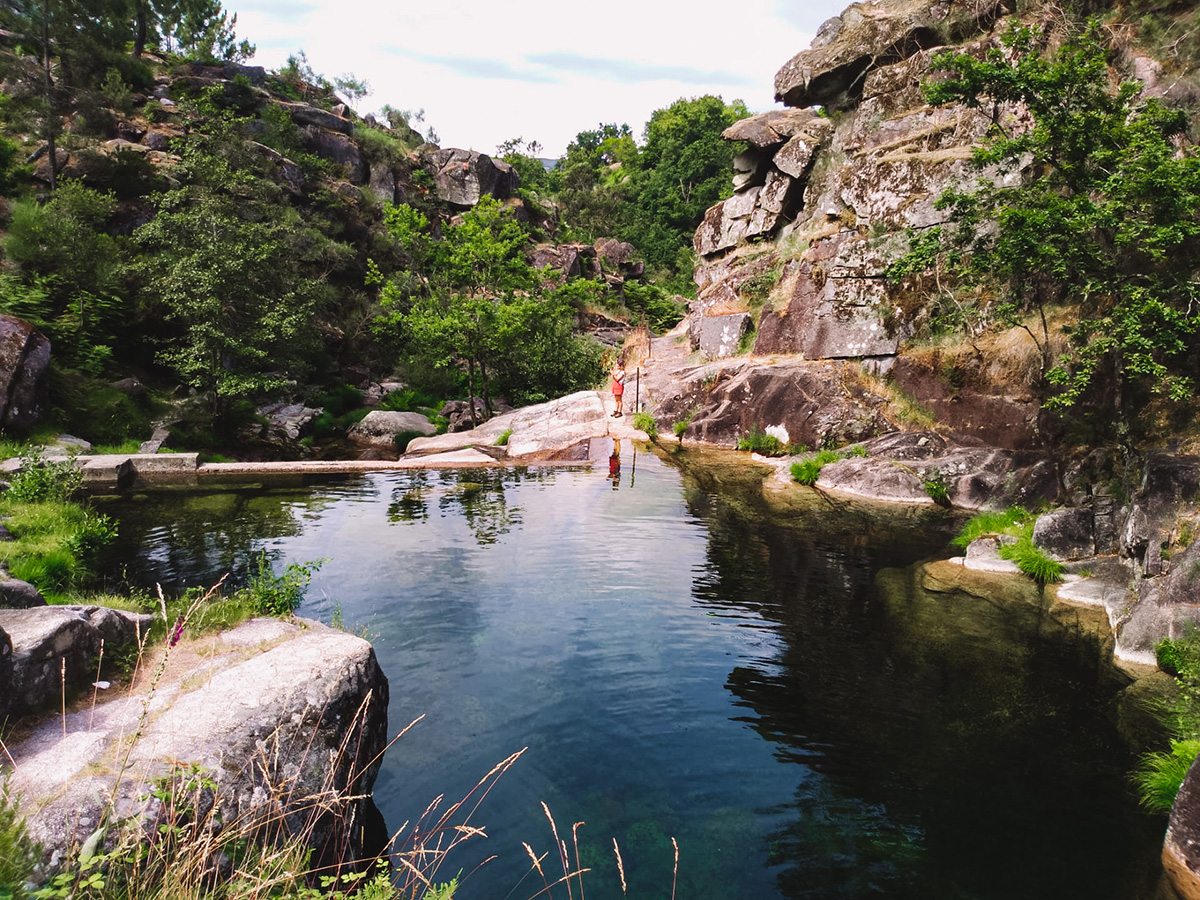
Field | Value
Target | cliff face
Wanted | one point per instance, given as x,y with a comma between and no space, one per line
824,197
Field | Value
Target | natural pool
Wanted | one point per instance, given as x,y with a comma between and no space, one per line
682,663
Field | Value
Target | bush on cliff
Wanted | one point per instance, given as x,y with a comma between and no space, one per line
1106,216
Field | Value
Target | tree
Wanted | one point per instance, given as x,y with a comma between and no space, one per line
232,288
69,272
590,180
471,298
683,169
1106,215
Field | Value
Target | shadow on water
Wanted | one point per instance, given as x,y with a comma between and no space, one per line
784,687
960,730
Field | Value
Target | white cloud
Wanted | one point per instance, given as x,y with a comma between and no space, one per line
486,72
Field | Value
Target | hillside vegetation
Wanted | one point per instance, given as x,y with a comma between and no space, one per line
235,236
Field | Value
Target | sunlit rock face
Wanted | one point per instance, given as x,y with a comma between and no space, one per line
826,190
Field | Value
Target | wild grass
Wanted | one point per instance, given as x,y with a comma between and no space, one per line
807,471
643,421
1016,522
1160,774
502,439
758,441
1011,522
1032,560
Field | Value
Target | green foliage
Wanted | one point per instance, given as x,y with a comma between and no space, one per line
231,285
659,308
1011,521
42,480
69,272
1032,560
1160,775
758,441
502,440
18,854
1109,217
471,299
523,157
682,170
808,470
643,421
269,594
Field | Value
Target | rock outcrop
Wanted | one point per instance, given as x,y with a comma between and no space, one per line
24,373
287,719
463,176
55,650
821,205
380,427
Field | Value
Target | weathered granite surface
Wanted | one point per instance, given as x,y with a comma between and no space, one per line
289,720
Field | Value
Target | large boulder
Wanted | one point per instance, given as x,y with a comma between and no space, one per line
24,373
1066,533
380,427
1181,846
287,719
18,594
303,114
338,148
463,176
543,431
898,466
721,336
56,648
728,398
868,35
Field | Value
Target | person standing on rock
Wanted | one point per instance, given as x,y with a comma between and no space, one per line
618,387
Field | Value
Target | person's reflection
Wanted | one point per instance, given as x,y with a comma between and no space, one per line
614,464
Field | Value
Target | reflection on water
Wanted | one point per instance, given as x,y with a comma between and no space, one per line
781,694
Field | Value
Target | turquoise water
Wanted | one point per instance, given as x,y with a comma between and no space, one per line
676,662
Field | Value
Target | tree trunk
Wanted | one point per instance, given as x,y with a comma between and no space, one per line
471,389
51,106
141,28
487,396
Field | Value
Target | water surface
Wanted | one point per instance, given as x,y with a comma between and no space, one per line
681,663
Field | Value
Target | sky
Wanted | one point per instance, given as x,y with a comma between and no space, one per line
485,73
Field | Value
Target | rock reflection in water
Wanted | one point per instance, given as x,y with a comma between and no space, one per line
954,726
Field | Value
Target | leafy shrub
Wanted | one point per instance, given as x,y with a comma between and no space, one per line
277,595
936,487
643,421
659,308
758,441
409,399
41,480
402,438
681,426
341,399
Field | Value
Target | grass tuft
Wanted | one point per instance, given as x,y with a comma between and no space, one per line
643,421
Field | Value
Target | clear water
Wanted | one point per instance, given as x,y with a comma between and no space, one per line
680,663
